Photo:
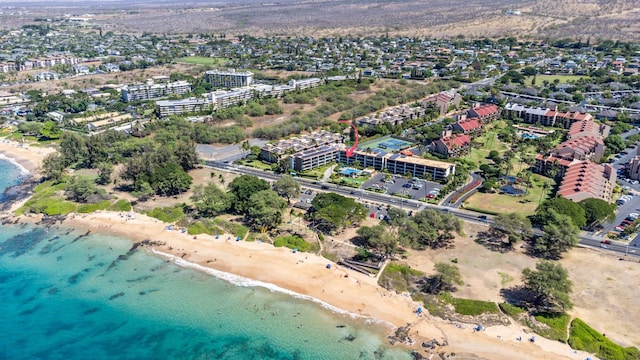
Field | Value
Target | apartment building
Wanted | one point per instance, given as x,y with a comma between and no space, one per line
305,83
584,180
151,90
176,107
452,145
223,99
398,163
544,116
314,157
484,112
395,115
274,152
228,79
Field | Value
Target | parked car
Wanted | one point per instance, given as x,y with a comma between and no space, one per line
618,229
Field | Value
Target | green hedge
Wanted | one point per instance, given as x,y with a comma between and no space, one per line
511,310
167,214
558,324
474,307
120,205
198,228
89,208
482,211
292,242
584,337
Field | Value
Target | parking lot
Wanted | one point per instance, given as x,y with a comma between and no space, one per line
413,188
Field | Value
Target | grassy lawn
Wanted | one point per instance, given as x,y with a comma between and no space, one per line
258,164
355,182
500,203
316,173
563,79
201,60
491,142
584,337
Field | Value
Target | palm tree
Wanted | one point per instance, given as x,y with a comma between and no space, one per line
245,146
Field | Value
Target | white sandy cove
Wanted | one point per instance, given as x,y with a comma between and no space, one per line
305,275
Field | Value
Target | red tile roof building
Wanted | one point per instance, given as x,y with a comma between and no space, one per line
468,126
485,112
572,161
584,180
452,145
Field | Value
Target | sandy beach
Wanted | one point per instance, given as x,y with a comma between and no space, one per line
337,288
29,157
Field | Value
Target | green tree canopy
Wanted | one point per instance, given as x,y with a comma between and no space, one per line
52,167
83,190
446,278
210,200
287,186
561,206
428,228
265,209
379,238
512,226
242,188
332,211
550,286
560,234
170,180
597,211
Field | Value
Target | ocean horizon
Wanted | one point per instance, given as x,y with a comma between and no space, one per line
73,295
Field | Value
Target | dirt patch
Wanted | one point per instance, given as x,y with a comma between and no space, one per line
605,289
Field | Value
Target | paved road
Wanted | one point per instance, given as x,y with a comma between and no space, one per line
387,200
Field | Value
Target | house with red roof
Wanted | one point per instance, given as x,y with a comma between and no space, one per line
452,145
484,112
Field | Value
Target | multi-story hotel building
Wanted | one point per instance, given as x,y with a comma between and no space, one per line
228,79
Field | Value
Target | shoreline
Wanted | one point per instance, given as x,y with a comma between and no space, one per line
357,295
353,295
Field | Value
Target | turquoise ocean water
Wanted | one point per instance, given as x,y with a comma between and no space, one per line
69,296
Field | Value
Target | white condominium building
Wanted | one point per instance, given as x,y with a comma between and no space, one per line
228,79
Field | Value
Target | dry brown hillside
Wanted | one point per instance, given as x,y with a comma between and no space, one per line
616,19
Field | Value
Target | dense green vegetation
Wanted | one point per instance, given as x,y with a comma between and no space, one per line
549,285
584,337
398,277
557,324
472,307
293,242
511,310
169,214
331,211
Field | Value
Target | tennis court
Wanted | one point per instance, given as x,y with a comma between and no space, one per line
386,143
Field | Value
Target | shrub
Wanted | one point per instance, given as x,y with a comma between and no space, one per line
292,242
167,214
584,337
120,205
198,228
511,310
474,307
89,208
398,277
557,323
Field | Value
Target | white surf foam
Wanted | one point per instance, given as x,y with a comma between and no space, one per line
246,282
23,171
